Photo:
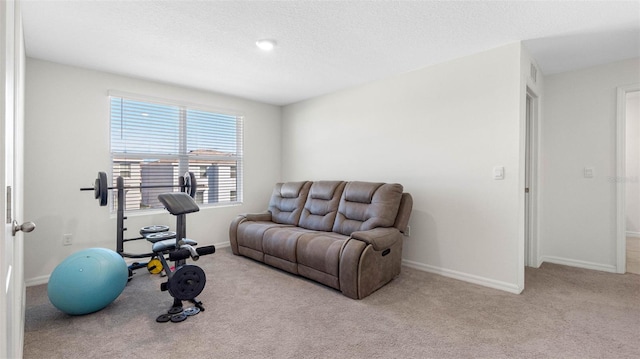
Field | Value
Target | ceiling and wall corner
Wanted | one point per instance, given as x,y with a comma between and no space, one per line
322,46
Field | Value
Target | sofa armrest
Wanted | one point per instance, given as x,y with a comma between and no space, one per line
233,233
264,216
369,260
379,238
233,227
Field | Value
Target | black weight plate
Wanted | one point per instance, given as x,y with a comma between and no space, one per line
96,188
187,181
163,318
153,229
194,185
175,310
102,188
177,318
190,184
187,282
156,237
191,311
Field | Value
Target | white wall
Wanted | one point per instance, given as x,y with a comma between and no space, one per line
67,143
577,215
632,166
439,131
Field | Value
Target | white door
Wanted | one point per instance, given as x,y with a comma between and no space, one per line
11,157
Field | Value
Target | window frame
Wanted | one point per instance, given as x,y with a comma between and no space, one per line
182,158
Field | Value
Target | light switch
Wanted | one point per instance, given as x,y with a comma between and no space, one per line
588,172
498,173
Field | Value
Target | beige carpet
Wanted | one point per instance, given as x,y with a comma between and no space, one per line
255,311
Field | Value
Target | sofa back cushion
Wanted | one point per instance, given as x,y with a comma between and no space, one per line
287,201
367,205
321,207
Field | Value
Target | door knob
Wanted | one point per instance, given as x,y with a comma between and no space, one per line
25,227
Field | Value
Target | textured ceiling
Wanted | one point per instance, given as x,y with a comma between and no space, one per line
323,46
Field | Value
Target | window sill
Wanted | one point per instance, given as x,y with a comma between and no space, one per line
153,212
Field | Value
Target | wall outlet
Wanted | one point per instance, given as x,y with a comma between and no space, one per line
407,233
67,239
588,172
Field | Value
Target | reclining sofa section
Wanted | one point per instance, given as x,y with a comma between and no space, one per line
346,235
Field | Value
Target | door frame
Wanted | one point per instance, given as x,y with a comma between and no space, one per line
531,163
621,173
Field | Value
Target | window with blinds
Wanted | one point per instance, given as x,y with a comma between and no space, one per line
153,144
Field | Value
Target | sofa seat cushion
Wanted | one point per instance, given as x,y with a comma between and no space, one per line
281,242
321,251
250,234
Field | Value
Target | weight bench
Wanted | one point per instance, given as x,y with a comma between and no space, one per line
186,281
179,204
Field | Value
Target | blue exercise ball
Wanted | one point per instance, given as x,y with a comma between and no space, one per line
87,281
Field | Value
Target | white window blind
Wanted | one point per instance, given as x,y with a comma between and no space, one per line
155,143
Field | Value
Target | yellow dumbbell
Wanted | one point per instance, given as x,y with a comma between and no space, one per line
154,266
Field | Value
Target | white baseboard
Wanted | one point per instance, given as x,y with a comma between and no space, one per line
466,277
223,244
579,264
633,234
44,279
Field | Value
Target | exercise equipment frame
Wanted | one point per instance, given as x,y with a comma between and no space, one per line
187,184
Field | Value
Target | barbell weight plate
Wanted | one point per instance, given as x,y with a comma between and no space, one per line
186,180
177,318
153,229
96,188
157,237
154,266
102,188
191,311
187,282
175,310
194,185
191,184
163,318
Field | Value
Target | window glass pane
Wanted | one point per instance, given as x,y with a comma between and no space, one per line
211,133
152,145
216,183
139,127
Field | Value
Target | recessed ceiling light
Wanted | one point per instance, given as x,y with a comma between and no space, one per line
266,44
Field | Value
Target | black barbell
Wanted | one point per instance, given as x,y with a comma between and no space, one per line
101,188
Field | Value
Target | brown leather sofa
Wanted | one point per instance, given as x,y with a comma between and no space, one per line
346,235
